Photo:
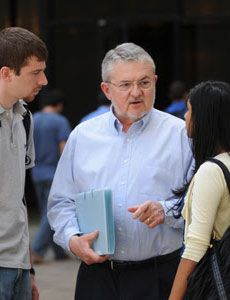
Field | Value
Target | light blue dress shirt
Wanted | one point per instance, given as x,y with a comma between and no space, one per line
145,163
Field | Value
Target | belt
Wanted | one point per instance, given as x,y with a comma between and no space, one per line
118,265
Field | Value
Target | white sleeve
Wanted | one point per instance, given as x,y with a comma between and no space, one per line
207,192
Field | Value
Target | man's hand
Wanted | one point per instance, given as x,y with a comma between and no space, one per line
34,289
150,212
81,247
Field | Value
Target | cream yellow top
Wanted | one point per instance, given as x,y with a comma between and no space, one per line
207,206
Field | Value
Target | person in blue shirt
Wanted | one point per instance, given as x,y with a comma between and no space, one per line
103,107
177,95
141,154
51,131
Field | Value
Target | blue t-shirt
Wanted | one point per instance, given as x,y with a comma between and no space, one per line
177,108
49,130
99,111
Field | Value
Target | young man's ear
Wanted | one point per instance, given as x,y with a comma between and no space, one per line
106,90
6,73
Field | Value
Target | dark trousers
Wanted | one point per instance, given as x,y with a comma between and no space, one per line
138,282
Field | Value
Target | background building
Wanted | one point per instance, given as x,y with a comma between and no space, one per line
189,40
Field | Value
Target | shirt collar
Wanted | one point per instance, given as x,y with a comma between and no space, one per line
18,107
116,125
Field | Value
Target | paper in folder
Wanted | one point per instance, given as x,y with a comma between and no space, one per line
94,210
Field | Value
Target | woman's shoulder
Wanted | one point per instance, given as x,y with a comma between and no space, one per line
211,172
224,158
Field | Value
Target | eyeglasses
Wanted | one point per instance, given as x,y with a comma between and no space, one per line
125,86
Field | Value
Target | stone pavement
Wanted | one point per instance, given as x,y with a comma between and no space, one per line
55,279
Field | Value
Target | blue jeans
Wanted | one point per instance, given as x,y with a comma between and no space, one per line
15,284
44,236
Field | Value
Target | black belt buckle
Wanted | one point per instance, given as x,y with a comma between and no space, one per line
111,265
115,266
118,265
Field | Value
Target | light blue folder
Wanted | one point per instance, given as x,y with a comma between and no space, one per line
94,210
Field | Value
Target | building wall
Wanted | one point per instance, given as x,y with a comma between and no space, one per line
189,40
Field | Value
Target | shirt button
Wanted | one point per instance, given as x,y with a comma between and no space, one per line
122,251
125,161
120,205
119,228
122,182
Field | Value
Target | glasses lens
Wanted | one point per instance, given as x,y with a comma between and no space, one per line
145,84
125,86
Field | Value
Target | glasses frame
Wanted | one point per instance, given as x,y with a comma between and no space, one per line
132,84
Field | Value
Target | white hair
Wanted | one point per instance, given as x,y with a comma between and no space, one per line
123,53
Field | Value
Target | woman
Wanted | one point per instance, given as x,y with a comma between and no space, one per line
207,203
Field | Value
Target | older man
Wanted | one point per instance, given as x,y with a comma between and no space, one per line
141,154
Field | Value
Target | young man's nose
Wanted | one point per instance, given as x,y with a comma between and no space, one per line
43,79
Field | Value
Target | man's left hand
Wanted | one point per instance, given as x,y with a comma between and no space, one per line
34,289
150,212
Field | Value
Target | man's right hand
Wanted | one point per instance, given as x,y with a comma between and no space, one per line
81,247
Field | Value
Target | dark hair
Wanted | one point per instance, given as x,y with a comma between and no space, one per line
210,126
210,120
177,90
17,45
52,97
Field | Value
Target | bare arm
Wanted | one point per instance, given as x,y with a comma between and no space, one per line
34,289
185,268
61,146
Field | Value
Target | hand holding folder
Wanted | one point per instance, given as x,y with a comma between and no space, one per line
94,210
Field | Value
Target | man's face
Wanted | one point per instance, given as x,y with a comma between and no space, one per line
132,103
30,81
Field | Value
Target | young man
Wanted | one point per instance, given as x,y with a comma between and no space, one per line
141,154
22,63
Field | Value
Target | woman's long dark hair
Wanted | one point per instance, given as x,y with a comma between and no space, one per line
210,120
209,124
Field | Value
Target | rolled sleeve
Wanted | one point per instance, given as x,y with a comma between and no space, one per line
170,220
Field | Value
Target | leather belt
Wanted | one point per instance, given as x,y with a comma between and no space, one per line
118,265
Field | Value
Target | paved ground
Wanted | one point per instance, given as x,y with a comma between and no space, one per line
55,279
